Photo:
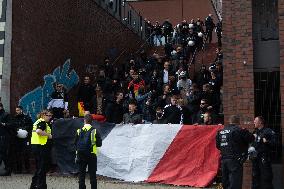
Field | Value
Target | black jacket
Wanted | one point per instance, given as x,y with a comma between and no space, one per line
6,128
23,122
173,114
114,112
261,147
233,141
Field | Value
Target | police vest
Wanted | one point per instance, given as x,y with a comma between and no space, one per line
36,138
93,139
227,143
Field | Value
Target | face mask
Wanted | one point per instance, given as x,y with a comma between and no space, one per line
159,114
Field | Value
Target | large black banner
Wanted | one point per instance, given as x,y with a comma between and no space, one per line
64,133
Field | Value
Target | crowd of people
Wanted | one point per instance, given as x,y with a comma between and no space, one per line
184,33
157,88
145,89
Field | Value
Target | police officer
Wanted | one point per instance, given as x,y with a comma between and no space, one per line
41,135
86,154
261,164
233,142
6,133
22,123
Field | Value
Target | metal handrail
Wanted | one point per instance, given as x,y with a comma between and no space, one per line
217,5
136,52
126,14
196,50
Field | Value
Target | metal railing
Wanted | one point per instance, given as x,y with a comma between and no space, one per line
202,50
141,47
124,12
217,5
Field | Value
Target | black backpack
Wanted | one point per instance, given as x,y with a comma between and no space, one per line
84,144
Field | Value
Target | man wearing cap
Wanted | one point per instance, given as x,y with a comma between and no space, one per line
183,83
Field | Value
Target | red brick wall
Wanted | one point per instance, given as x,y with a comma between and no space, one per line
160,10
47,32
238,77
281,40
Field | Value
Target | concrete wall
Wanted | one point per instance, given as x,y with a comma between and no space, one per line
48,34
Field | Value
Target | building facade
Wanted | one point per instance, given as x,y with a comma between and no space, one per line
253,45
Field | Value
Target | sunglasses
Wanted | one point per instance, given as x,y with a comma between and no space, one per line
48,115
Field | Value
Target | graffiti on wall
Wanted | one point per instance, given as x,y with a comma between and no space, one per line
36,100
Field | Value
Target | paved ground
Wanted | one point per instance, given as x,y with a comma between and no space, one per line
60,182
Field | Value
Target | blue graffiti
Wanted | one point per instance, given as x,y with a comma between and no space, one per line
36,100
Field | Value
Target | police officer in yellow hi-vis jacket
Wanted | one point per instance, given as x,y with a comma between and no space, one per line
87,141
41,133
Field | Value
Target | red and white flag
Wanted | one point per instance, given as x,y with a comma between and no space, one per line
160,153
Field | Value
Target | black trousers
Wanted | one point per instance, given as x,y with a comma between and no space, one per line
41,159
209,34
58,112
89,160
232,174
4,153
262,173
22,155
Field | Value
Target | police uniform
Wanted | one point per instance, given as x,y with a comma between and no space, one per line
261,165
233,142
89,159
40,150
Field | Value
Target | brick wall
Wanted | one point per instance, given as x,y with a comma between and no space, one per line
238,66
238,78
281,40
162,9
48,32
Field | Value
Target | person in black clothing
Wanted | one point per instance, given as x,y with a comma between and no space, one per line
114,110
202,77
108,68
199,25
219,33
159,116
233,143
261,165
209,24
192,37
164,99
193,98
157,29
215,82
173,112
203,108
6,134
59,101
22,144
219,55
167,30
86,93
212,97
